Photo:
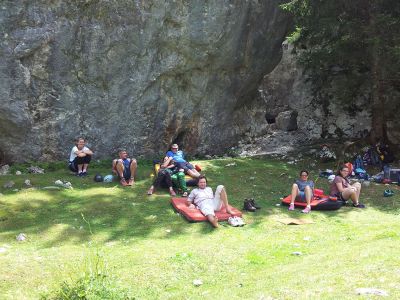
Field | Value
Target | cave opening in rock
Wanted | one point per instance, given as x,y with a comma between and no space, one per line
270,118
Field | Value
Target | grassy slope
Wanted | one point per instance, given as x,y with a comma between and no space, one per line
156,254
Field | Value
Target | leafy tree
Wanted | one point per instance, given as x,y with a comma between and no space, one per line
356,45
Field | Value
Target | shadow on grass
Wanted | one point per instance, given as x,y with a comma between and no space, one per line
117,213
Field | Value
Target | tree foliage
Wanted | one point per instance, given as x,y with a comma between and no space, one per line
356,45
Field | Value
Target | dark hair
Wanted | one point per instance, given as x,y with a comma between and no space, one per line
341,169
304,171
202,177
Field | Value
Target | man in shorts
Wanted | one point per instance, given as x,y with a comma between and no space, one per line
179,158
203,198
125,168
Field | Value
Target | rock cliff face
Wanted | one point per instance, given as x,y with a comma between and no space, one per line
135,74
297,115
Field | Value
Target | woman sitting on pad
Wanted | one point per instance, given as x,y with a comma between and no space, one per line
302,190
204,198
343,190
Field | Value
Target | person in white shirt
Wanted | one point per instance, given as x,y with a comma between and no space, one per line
203,198
80,157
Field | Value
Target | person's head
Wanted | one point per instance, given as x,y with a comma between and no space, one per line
202,182
343,171
123,154
303,175
80,143
174,147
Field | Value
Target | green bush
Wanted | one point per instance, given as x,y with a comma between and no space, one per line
95,283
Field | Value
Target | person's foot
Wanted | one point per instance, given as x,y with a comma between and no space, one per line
228,211
84,173
306,210
291,206
79,174
123,182
359,205
150,191
172,193
130,182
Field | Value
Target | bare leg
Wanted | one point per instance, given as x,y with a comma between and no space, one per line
308,192
213,220
151,190
224,199
80,168
295,193
193,173
84,167
351,193
114,166
357,185
133,168
119,167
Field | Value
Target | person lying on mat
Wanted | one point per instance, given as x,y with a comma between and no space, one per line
125,168
179,158
343,190
167,168
302,190
204,198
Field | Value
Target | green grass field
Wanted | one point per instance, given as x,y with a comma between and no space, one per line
151,252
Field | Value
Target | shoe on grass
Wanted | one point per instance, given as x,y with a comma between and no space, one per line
306,210
239,221
247,206
254,203
233,222
291,206
123,182
359,205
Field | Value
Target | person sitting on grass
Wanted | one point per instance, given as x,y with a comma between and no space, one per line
302,190
125,168
203,198
164,176
170,175
179,158
80,157
343,190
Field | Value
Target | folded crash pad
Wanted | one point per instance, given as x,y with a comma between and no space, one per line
195,215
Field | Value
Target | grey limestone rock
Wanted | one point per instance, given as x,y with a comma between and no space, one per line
133,74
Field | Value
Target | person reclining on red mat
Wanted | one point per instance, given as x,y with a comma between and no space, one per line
204,198
125,168
302,190
179,158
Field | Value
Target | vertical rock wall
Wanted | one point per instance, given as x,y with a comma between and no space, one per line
136,74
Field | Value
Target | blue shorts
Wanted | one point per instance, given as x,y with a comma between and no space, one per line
302,196
184,165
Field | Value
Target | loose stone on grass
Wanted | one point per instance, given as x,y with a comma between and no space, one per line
18,173
297,253
21,237
5,170
197,282
27,183
9,184
35,170
371,291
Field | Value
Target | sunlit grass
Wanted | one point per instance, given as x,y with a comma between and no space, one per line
156,254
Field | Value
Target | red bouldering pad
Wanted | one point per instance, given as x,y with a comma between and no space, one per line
195,215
